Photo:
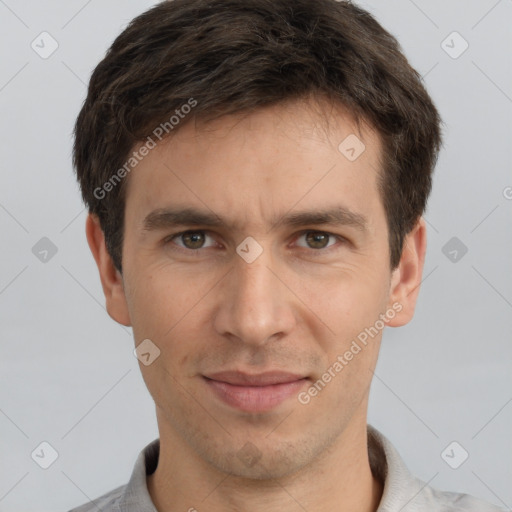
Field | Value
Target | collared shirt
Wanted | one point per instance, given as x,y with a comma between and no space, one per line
403,492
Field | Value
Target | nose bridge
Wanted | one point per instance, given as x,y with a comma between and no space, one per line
254,281
255,306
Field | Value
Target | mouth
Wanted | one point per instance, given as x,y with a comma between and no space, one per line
254,393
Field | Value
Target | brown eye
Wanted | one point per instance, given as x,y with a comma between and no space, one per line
317,239
191,243
193,239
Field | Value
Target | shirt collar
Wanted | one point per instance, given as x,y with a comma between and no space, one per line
136,496
400,486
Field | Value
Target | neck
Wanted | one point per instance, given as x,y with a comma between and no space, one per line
340,479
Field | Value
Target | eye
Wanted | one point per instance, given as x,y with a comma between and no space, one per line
319,239
191,240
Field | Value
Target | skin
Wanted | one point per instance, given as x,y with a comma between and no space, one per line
295,308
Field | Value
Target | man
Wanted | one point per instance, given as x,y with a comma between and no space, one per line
255,173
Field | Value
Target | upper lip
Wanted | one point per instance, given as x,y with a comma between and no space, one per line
238,378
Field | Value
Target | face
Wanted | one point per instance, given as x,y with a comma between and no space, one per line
232,263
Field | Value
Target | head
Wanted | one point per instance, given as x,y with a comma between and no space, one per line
252,113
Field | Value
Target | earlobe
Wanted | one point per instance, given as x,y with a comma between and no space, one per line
406,278
111,278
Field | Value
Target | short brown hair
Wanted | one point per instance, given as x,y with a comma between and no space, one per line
234,56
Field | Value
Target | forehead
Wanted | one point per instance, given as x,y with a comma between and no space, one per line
261,164
316,118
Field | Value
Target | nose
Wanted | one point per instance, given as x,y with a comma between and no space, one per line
255,305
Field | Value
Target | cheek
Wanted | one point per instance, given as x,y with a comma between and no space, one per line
346,300
156,303
168,308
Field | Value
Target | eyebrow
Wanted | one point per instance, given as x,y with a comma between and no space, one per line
165,218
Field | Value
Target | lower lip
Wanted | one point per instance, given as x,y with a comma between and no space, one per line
255,398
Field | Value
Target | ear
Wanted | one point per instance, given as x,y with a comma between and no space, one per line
406,278
111,278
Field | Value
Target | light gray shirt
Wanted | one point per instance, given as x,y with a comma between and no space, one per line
402,491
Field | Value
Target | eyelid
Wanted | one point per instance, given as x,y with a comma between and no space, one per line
172,237
339,238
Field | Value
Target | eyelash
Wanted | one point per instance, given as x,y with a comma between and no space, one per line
327,249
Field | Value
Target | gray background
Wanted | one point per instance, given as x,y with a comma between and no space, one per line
68,374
